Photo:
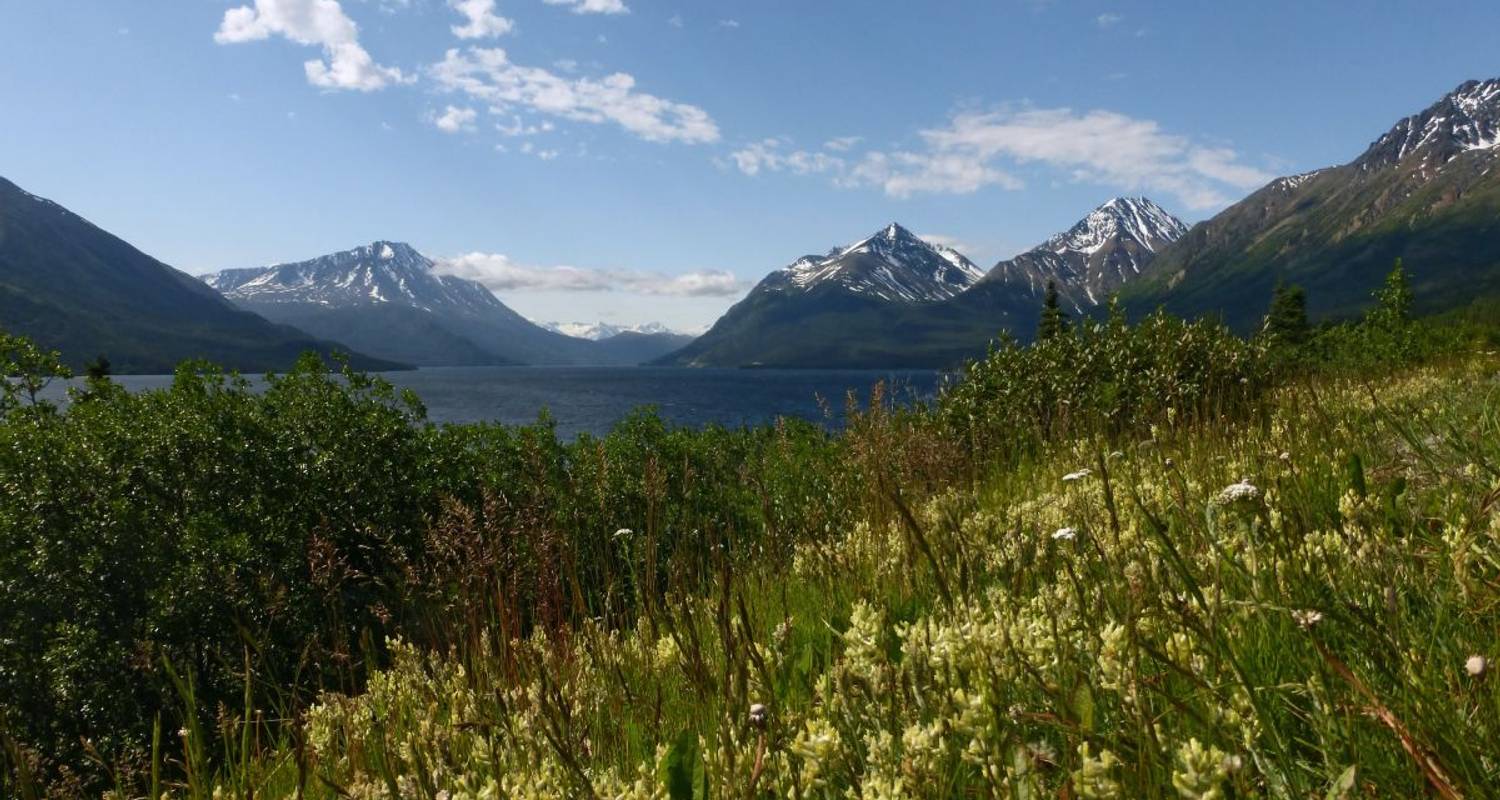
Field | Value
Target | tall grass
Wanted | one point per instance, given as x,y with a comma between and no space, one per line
1126,562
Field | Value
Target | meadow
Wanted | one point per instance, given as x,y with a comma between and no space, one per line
1128,560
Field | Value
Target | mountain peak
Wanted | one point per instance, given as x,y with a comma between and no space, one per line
1465,119
891,264
1101,252
382,272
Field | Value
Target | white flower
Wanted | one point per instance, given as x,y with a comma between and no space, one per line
758,715
623,532
1307,617
1238,492
1077,476
1064,534
1477,665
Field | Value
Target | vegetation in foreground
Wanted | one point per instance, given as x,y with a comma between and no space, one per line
1128,561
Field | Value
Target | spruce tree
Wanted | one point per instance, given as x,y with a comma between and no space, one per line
1054,320
1286,321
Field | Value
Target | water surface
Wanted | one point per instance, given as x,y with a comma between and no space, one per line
592,399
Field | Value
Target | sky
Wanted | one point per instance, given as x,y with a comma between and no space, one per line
630,161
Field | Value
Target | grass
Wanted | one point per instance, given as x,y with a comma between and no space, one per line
1289,606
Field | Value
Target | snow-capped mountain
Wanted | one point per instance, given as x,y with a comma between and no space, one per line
599,331
1468,118
386,298
893,264
378,273
1099,254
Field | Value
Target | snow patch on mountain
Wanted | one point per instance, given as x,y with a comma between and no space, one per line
1464,120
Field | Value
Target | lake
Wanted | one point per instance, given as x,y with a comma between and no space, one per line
592,399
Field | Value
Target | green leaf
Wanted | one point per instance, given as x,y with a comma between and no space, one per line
1356,470
1083,706
1344,785
681,764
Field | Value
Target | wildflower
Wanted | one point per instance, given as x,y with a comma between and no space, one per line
1200,771
1235,493
1064,535
1285,457
1092,779
1077,476
1306,618
758,715
623,532
1477,665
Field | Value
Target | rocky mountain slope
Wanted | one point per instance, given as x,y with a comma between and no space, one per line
1427,191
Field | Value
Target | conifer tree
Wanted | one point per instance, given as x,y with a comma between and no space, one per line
1286,321
1054,320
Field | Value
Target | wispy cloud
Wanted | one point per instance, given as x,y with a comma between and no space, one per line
489,76
729,23
500,273
345,64
482,22
975,150
455,119
770,155
1108,20
592,6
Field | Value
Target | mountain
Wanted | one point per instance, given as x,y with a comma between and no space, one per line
815,311
78,289
1094,258
389,299
599,331
894,265
1427,192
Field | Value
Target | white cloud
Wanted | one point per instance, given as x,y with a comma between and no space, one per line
482,23
675,21
489,76
502,274
979,149
345,64
455,119
843,143
729,23
1108,20
592,6
1096,146
767,155
903,174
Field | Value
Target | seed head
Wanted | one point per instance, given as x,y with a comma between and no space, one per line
1477,665
758,715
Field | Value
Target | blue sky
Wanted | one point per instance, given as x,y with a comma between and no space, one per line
635,160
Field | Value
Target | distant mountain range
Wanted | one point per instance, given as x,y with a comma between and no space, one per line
599,331
894,300
75,288
1427,192
387,299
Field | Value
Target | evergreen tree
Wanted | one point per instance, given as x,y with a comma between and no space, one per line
1054,320
1286,321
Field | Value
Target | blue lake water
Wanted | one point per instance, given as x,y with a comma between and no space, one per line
592,399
